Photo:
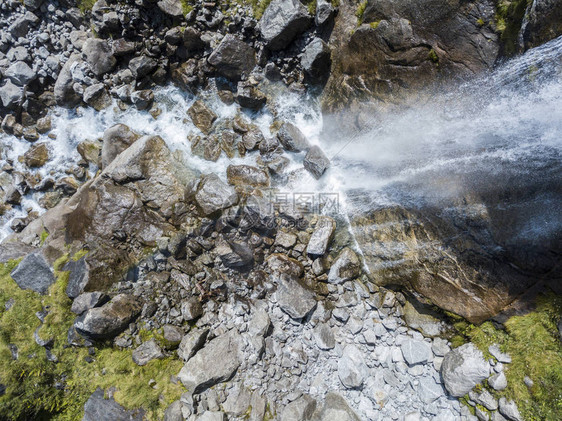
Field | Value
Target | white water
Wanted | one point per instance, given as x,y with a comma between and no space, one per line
504,127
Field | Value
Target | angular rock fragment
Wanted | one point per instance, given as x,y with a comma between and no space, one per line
33,273
320,238
282,22
463,368
292,139
147,352
214,195
202,116
233,58
316,162
346,267
294,299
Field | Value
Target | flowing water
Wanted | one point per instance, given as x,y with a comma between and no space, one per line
488,136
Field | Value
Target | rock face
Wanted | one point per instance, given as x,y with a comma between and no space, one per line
204,370
213,194
98,408
110,319
542,22
320,238
33,273
233,58
395,46
98,55
282,22
463,368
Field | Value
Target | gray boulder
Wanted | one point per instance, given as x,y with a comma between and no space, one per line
320,238
233,58
191,343
246,175
416,352
109,320
301,409
88,300
316,60
498,381
325,12
316,162
324,336
234,254
172,8
78,276
173,412
282,22
249,96
463,368
509,410
98,55
10,95
147,352
33,273
352,369
96,96
172,336
142,66
292,139
293,298
20,73
115,140
191,309
63,90
214,195
97,408
335,409
346,267
215,363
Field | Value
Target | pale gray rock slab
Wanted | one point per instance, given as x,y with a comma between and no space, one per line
147,352
416,352
33,273
352,369
463,368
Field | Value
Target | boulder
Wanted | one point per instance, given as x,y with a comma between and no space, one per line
335,408
191,343
192,41
115,140
509,410
422,320
191,309
37,155
324,336
88,300
325,12
143,99
463,368
249,96
10,95
234,254
292,139
97,408
173,8
246,175
293,298
321,236
316,162
542,22
316,60
233,58
147,352
20,73
63,90
282,264
172,336
416,352
142,66
346,267
300,409
215,363
252,138
213,195
282,22
109,320
202,116
352,369
33,273
96,96
77,277
99,55
174,412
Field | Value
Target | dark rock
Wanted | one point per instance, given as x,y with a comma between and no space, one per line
541,23
143,100
245,175
191,309
98,55
202,116
249,96
268,145
283,21
97,408
316,60
233,58
97,97
234,254
115,140
33,273
316,162
109,320
214,195
142,66
192,41
121,47
292,138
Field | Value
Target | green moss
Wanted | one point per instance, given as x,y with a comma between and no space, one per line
259,6
186,6
361,11
432,55
375,24
533,342
480,22
43,237
79,254
85,5
509,16
311,6
31,379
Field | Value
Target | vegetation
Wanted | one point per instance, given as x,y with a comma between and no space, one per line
85,5
361,11
432,55
534,344
186,6
509,17
37,388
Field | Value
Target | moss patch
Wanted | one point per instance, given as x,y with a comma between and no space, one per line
39,389
85,5
533,342
361,11
509,16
